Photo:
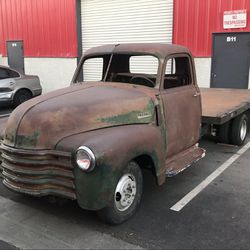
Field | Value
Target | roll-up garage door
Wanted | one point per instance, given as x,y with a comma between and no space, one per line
130,21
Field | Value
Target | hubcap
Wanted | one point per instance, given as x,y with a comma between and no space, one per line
243,130
125,192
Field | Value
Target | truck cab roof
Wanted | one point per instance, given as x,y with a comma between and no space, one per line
161,50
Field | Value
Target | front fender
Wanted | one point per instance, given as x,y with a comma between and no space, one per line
114,148
3,123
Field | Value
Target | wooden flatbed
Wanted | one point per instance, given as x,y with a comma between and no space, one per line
222,105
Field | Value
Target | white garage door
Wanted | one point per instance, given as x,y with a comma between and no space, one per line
130,21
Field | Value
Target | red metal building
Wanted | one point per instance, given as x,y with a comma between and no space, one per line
47,32
47,27
196,20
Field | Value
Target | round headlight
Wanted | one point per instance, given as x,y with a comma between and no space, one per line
85,158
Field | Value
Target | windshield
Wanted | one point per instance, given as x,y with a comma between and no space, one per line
122,68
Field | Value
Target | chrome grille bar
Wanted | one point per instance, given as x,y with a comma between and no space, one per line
39,173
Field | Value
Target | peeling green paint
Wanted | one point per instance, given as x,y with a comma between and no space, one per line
23,140
10,137
99,183
137,116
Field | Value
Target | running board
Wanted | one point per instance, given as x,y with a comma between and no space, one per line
181,161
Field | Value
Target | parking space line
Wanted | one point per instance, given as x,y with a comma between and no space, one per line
191,195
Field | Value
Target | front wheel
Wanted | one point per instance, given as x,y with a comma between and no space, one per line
126,197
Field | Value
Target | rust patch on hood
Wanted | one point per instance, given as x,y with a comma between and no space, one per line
40,124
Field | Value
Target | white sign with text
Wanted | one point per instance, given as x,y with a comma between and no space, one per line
235,19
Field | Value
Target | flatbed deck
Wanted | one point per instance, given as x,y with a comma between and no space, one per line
221,105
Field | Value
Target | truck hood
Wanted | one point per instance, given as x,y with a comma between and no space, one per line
43,121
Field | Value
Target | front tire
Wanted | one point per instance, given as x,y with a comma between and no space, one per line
126,197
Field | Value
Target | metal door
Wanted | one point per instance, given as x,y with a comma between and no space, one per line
15,55
230,60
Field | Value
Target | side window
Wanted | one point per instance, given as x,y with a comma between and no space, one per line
13,74
93,69
177,72
4,74
170,67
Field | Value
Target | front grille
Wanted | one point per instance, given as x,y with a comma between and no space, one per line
39,173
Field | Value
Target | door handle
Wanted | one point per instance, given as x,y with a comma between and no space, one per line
196,94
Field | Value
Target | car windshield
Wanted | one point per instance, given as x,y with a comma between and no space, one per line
122,68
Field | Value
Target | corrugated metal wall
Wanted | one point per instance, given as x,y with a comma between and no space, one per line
47,27
196,20
119,21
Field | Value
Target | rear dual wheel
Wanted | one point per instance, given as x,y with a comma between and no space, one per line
239,130
223,133
234,132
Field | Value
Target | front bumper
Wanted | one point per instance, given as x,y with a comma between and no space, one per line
38,173
6,97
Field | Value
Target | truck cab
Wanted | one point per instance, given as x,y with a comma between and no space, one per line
92,140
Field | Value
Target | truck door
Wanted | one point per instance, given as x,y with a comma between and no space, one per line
182,104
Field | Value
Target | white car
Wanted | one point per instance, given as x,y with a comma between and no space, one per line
16,88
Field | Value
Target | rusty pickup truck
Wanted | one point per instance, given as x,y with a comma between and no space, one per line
138,106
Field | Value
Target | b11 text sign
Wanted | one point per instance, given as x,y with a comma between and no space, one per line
235,19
